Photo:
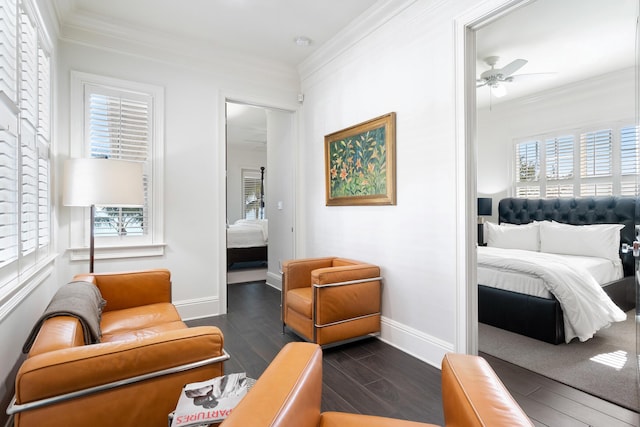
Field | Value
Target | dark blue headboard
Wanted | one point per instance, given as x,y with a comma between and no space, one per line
578,211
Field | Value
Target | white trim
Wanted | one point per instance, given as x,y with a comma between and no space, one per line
114,252
198,308
414,342
153,245
466,316
26,284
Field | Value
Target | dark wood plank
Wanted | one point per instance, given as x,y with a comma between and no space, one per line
372,377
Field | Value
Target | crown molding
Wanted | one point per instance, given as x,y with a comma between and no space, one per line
92,30
367,23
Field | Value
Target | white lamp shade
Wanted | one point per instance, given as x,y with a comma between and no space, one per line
102,182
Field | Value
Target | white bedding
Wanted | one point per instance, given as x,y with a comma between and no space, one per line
602,269
247,233
586,307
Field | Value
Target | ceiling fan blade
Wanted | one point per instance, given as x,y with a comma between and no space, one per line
514,66
481,82
532,76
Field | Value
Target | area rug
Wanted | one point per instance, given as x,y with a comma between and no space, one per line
604,366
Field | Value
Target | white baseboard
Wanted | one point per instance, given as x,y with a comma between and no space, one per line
429,349
274,280
198,308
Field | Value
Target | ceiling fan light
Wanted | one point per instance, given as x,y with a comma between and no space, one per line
498,90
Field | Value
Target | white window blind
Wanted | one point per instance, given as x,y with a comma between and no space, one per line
44,94
251,194
8,51
8,197
44,202
29,181
559,157
527,161
120,127
596,153
28,68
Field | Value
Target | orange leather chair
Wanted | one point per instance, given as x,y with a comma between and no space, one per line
289,394
330,300
133,376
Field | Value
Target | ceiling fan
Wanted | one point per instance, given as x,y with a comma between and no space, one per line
495,78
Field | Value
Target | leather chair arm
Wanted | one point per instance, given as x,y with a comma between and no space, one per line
345,273
80,368
131,289
287,394
297,272
473,395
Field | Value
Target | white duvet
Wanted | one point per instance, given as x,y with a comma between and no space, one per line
586,307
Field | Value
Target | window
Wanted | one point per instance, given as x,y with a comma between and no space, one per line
25,139
253,194
607,159
121,120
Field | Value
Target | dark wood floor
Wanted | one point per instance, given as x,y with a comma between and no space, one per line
371,377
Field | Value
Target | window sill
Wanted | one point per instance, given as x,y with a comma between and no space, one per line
13,294
115,252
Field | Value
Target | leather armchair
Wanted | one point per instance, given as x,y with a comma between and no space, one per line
133,376
331,300
288,394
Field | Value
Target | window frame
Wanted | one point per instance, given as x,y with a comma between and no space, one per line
114,247
615,181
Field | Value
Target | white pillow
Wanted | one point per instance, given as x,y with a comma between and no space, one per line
510,236
597,240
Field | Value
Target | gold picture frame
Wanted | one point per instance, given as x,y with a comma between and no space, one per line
360,163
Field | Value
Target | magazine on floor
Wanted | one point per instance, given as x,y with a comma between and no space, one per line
210,401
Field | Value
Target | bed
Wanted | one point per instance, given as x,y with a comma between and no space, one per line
247,242
540,315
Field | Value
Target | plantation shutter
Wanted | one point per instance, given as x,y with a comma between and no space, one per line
250,194
596,153
8,51
559,157
29,203
629,161
28,69
8,197
527,161
119,127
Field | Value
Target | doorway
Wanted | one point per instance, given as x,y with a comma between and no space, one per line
259,192
500,119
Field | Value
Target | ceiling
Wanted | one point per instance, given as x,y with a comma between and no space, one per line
261,28
573,39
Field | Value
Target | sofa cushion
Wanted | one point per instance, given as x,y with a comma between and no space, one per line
146,317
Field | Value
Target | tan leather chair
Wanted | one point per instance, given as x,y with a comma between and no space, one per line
289,394
330,300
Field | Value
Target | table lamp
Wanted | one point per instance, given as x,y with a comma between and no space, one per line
91,182
484,209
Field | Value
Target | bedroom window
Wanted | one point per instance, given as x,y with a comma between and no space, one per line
608,161
253,199
121,120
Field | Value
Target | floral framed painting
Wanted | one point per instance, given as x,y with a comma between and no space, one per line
360,163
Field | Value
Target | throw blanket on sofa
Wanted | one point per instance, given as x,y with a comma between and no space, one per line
586,307
81,300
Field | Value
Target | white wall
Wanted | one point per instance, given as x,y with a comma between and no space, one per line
405,65
239,158
596,101
194,163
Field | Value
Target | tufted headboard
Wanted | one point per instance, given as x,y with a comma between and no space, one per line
578,211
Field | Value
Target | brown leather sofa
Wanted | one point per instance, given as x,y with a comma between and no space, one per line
133,377
330,300
288,394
